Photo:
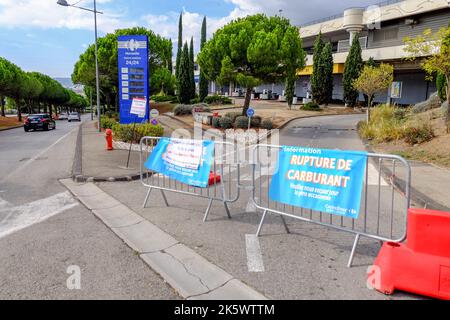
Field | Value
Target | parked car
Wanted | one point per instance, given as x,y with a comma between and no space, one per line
74,116
63,116
39,121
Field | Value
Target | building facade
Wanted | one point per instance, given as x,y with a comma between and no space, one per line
381,29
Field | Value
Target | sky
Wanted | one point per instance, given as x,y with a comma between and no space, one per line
39,35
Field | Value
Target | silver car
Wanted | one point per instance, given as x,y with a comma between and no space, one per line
74,116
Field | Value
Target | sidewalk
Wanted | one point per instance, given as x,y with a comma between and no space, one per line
98,164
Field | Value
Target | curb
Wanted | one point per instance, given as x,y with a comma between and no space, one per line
10,128
417,197
191,275
77,169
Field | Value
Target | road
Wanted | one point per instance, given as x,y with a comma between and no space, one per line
309,263
46,236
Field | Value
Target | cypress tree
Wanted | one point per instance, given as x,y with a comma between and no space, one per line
180,46
316,77
203,86
184,83
353,67
327,63
191,68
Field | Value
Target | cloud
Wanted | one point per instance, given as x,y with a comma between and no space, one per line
47,14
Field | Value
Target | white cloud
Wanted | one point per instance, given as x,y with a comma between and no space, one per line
47,14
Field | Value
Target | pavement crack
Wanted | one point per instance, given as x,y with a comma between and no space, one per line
211,290
187,270
130,225
161,250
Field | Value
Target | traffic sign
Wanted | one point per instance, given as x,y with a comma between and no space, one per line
250,112
154,113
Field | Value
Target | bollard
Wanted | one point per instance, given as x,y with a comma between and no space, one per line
109,144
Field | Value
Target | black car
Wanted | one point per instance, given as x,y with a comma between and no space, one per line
39,121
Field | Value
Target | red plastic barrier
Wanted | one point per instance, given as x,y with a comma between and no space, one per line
213,179
422,264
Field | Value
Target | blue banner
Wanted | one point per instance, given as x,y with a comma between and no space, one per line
133,76
323,180
188,161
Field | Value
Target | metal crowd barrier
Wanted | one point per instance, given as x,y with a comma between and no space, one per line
384,211
225,163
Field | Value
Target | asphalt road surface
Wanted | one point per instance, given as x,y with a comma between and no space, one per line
46,236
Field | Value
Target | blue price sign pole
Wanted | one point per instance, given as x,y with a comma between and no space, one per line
133,76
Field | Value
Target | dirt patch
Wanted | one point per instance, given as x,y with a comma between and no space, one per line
162,107
436,151
8,122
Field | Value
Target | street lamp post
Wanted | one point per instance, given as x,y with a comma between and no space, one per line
97,79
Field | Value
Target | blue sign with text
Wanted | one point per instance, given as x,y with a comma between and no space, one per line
133,76
323,180
188,161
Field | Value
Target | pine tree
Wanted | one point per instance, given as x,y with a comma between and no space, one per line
191,68
184,83
316,77
353,67
203,86
180,46
327,65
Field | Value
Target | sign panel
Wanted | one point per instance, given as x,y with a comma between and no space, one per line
323,180
133,76
250,112
139,107
188,161
396,90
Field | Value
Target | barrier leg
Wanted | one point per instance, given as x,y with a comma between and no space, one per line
261,223
146,197
207,210
227,209
350,261
285,224
165,198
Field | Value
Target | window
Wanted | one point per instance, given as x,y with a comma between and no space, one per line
385,34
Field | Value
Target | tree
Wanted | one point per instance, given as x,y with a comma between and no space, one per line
203,84
373,80
163,81
248,51
180,46
353,66
317,75
184,83
293,58
441,84
191,68
6,79
434,50
371,63
327,65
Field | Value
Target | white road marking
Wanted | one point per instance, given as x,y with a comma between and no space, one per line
4,204
20,217
373,177
26,164
254,256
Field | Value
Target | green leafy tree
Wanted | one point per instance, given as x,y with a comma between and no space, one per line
317,77
7,77
163,81
293,59
441,84
191,68
353,67
248,51
184,82
434,50
373,80
371,63
327,65
203,85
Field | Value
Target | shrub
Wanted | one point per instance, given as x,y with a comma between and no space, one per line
241,122
185,109
124,132
216,122
112,115
311,106
267,124
163,98
226,123
216,99
419,133
233,115
107,123
256,121
195,101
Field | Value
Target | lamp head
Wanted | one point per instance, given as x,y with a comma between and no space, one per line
63,3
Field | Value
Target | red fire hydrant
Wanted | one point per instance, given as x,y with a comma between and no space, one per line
109,144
